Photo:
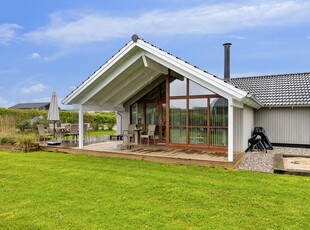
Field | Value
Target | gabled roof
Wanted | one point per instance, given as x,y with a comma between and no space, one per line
278,90
138,65
37,105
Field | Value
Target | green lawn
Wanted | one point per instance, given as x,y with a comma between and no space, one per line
101,132
61,191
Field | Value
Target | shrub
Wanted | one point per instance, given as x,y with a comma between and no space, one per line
23,142
7,138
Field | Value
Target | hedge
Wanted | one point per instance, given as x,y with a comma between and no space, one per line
12,119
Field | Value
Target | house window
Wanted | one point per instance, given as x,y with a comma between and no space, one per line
178,121
197,115
178,87
137,114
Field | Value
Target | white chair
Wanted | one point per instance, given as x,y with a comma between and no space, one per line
150,134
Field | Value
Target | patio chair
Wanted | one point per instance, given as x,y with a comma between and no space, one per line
43,132
128,134
74,131
150,134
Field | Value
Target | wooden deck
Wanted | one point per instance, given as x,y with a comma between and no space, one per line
154,153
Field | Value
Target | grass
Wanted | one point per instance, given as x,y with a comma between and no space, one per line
43,190
101,132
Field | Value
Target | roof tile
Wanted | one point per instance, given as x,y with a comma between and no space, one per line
277,90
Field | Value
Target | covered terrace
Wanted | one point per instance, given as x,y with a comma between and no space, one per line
147,85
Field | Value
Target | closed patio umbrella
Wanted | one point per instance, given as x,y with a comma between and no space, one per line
53,112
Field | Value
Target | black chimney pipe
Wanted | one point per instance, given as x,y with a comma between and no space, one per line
227,61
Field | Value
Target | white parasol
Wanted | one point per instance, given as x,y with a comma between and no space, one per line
53,112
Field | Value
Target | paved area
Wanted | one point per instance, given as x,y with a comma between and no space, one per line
263,162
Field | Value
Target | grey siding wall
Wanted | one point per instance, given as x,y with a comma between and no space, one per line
243,126
238,129
248,126
285,125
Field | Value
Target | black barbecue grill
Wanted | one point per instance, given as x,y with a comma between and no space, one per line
259,140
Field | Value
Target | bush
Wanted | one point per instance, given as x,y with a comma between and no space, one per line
7,138
23,142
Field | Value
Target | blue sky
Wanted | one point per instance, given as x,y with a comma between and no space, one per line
54,45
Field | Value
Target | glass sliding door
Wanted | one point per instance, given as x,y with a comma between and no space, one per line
178,121
219,121
198,121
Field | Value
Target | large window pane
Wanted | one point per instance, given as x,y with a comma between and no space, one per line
195,89
198,112
178,112
137,116
219,137
198,136
178,88
178,135
151,113
219,112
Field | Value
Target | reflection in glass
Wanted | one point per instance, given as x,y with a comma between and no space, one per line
198,136
178,135
151,113
219,137
178,88
198,112
178,112
137,114
195,89
219,112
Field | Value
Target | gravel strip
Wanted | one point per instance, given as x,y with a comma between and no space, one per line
263,162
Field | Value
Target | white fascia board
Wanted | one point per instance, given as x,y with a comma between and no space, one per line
99,108
187,69
250,101
99,72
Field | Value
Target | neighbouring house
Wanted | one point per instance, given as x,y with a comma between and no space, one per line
36,105
191,107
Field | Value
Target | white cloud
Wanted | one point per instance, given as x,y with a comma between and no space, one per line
33,89
8,32
35,55
239,37
78,28
5,103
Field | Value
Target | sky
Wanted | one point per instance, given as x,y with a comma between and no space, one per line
54,45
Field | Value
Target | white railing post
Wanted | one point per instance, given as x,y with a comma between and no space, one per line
230,131
81,127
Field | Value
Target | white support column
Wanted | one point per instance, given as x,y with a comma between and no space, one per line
81,127
230,131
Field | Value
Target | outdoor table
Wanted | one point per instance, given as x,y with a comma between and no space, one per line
61,131
136,133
